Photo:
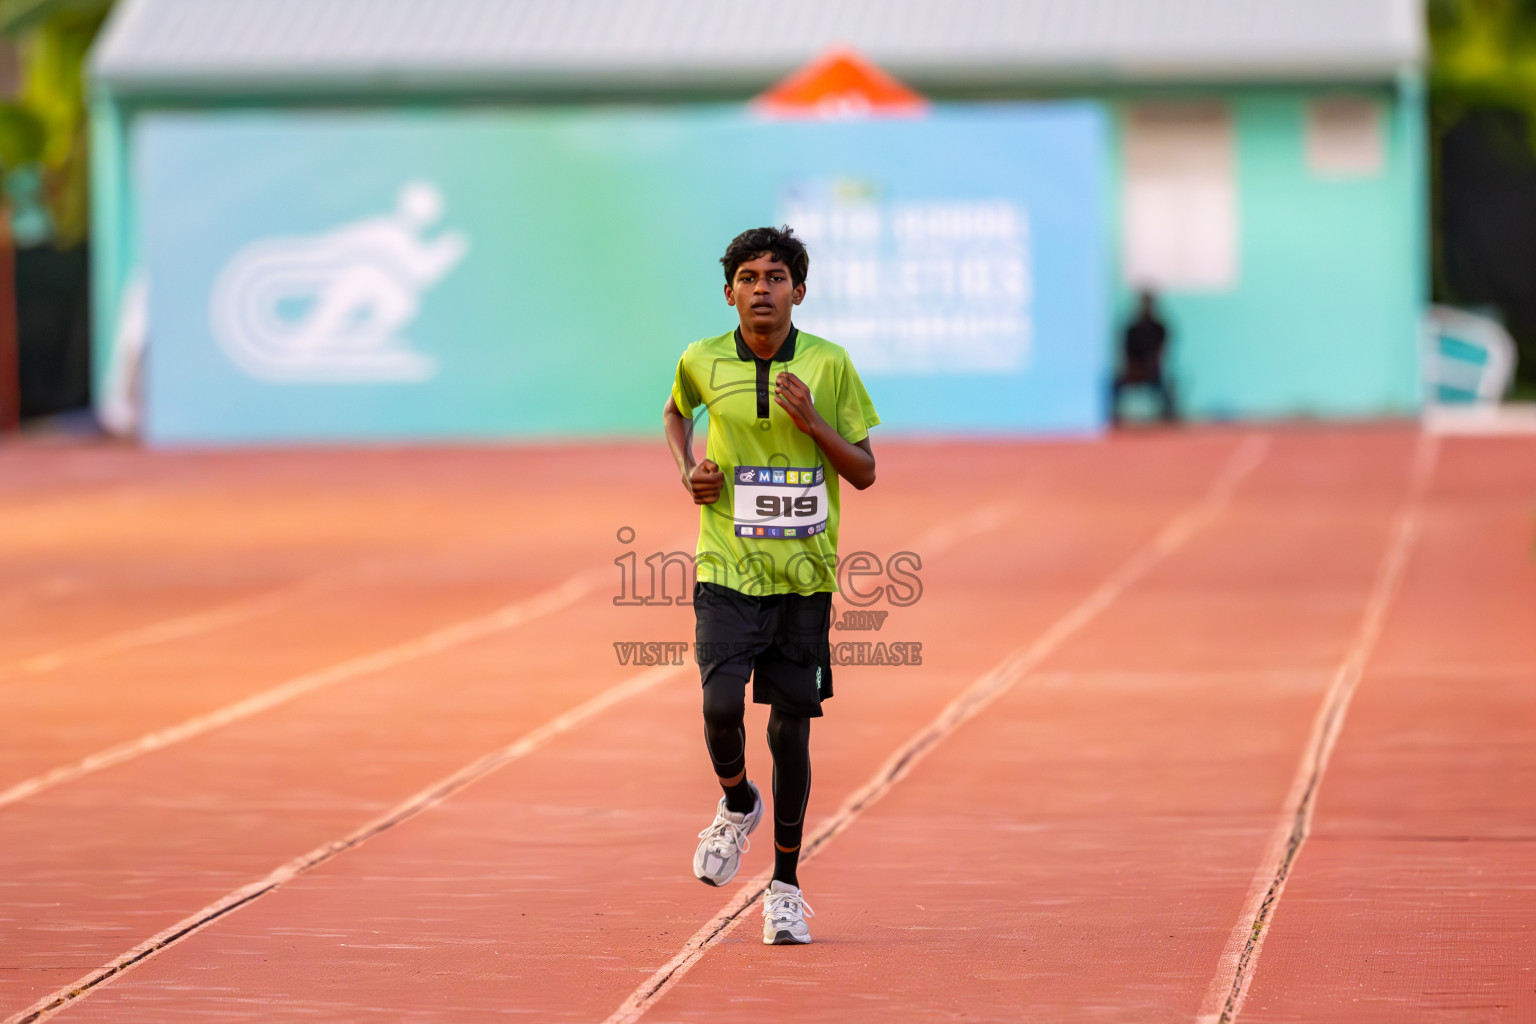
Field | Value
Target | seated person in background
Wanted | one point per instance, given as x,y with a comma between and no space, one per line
1146,340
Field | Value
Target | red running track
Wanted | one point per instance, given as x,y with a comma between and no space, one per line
1127,647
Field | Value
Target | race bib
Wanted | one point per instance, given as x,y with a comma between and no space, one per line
780,502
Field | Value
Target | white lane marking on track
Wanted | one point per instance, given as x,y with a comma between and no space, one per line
512,615
978,696
1454,670
176,628
979,522
946,535
1234,971
49,588
430,797
1161,680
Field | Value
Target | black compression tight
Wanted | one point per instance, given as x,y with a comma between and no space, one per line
725,735
789,740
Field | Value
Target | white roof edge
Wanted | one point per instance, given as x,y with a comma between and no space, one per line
261,46
613,83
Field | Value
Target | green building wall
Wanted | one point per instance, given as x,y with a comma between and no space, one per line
1323,320
1325,315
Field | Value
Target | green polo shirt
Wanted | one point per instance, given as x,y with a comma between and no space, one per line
783,537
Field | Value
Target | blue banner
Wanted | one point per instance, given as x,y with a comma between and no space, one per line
472,275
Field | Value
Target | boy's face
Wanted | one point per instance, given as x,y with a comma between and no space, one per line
763,295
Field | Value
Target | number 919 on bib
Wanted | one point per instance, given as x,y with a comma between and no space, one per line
780,502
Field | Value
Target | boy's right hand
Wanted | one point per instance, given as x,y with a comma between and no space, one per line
704,482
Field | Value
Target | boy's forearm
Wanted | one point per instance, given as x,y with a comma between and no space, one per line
851,462
679,432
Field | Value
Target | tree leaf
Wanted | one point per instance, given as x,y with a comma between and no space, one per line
22,136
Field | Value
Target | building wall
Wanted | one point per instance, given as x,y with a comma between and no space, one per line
1323,318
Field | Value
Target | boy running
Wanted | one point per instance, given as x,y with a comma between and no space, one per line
788,417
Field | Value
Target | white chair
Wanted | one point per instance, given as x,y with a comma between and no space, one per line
1469,360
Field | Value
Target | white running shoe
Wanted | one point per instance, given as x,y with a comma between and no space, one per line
718,856
784,914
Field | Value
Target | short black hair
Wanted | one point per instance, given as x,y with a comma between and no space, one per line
780,243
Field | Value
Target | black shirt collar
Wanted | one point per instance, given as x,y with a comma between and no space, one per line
785,353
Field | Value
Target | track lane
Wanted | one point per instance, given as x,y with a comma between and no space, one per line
973,701
1412,900
1079,852
1239,961
131,538
62,856
428,583
102,859
569,827
508,617
92,868
417,804
209,617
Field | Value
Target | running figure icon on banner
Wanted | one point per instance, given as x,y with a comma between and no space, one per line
331,307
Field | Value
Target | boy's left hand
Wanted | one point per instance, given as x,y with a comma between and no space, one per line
794,398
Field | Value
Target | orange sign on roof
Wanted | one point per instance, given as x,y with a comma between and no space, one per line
839,84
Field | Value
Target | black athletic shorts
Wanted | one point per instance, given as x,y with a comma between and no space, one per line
779,641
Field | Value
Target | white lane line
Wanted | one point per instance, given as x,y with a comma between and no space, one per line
987,518
176,628
1234,972
935,541
947,534
1453,670
978,696
49,588
1162,680
430,797
515,614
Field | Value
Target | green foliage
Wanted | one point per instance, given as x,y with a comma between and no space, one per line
53,88
1484,58
18,16
1484,54
22,136
47,129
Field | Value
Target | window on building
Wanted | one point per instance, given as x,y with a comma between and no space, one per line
1344,137
1180,201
